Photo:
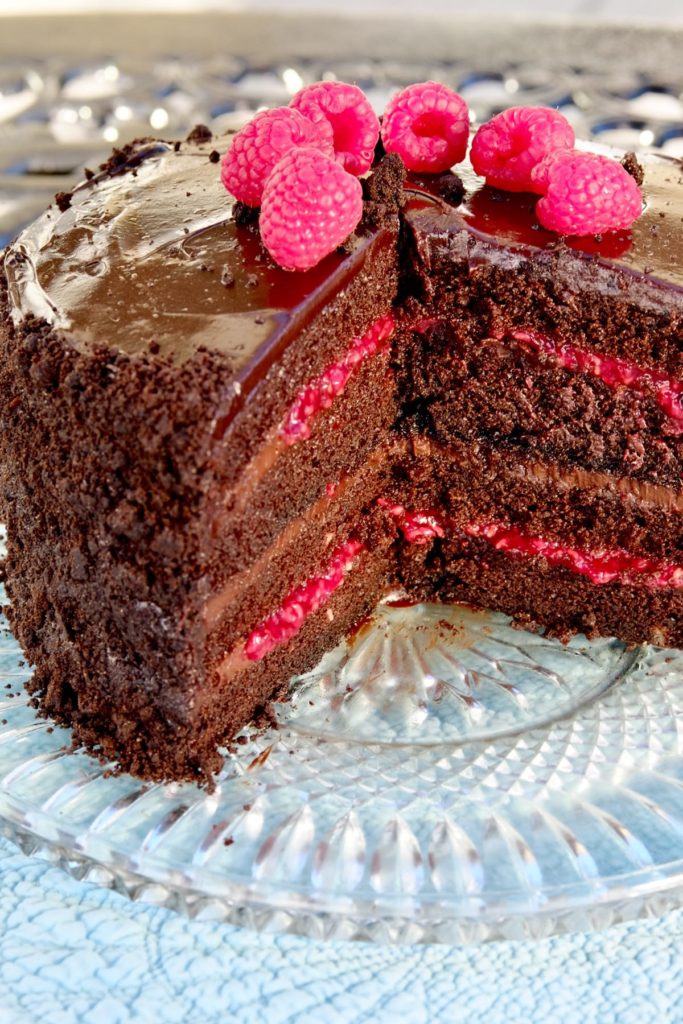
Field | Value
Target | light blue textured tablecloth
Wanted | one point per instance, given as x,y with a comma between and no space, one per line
71,953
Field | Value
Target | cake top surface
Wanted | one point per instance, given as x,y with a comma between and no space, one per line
150,253
651,249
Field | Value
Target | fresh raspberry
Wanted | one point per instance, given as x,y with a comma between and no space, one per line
355,126
507,148
428,125
587,194
542,172
310,205
260,144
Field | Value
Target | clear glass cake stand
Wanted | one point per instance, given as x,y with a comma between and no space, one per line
445,778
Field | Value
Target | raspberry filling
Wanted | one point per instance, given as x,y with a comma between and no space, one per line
613,371
283,624
599,566
416,527
320,393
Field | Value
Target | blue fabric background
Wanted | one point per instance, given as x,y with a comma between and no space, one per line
71,953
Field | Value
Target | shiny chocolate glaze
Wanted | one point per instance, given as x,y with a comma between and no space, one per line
492,226
149,253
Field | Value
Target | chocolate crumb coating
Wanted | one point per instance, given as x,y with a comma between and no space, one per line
200,133
635,169
155,513
383,191
451,188
119,536
245,215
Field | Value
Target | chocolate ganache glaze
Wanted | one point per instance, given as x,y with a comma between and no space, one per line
501,228
149,252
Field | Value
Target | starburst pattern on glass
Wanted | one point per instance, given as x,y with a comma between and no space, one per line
441,777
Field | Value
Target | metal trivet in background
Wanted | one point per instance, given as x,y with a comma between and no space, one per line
58,115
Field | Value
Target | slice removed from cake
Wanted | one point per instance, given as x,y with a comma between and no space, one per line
214,468
545,377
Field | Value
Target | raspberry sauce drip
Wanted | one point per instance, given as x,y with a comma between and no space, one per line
283,624
320,393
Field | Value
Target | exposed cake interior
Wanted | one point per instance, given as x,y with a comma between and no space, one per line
457,405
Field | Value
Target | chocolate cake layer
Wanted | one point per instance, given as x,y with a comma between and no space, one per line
474,481
241,601
466,385
537,595
282,480
237,687
213,468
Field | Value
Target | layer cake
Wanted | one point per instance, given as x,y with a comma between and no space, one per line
213,468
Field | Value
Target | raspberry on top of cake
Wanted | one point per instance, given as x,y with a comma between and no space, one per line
241,403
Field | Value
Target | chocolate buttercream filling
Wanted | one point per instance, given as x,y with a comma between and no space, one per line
482,459
373,468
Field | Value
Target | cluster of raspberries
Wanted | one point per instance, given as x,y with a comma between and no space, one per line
531,149
301,164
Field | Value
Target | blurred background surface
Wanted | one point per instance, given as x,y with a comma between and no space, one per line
73,87
609,10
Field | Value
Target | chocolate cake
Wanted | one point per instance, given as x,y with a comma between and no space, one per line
214,468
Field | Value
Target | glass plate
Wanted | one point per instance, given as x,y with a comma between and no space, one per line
443,777
447,778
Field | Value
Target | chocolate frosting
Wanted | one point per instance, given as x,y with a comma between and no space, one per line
501,227
149,254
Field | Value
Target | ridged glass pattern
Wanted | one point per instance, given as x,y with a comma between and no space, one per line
442,777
